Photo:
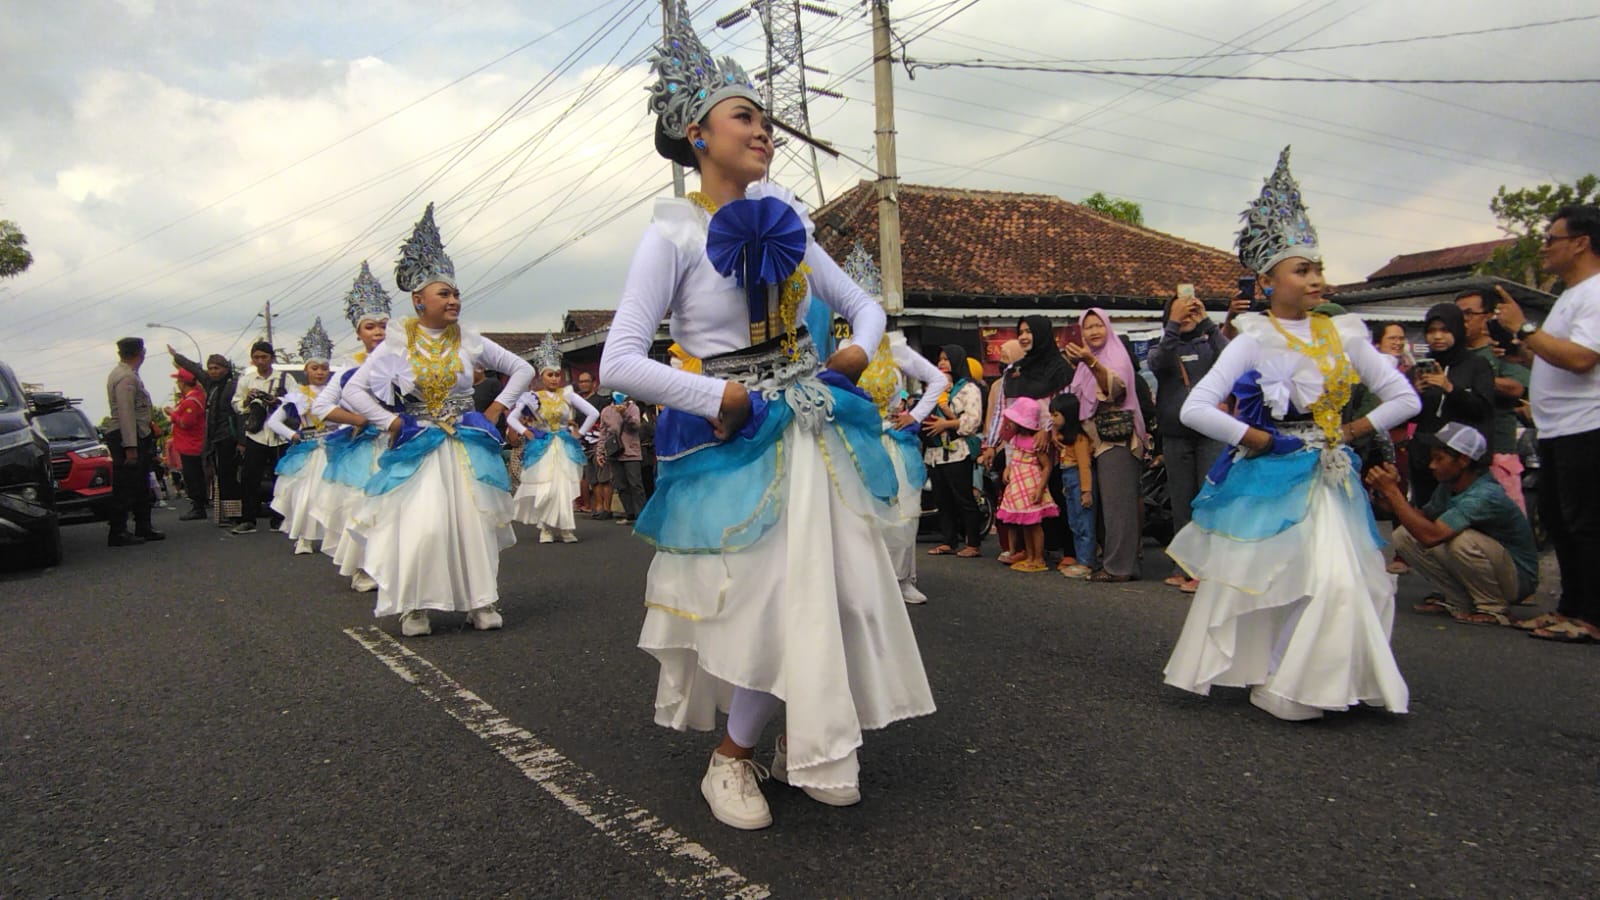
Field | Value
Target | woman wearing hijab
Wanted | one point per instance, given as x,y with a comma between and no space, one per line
952,430
1456,385
1041,373
1104,384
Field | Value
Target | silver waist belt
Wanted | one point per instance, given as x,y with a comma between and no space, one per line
454,408
766,366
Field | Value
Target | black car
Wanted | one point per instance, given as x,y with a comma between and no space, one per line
28,517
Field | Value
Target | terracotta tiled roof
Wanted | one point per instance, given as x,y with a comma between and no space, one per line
998,244
583,321
1438,261
518,342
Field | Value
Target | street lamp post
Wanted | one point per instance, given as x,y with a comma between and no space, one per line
198,356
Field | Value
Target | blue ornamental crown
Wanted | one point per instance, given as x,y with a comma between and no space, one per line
422,258
367,299
1275,225
316,345
689,80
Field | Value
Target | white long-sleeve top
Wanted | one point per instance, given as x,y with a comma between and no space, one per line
332,394
302,401
709,315
914,365
391,363
529,403
1257,346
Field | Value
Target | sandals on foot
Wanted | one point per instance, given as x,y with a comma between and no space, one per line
1432,605
1569,632
1007,558
1544,620
941,550
1174,580
1482,617
967,552
1029,566
1104,577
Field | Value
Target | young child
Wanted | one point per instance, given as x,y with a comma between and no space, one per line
1077,485
1026,501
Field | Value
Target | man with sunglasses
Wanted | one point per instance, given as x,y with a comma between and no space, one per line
1510,386
1565,394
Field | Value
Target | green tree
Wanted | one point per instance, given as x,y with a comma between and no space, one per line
14,256
1523,215
1115,207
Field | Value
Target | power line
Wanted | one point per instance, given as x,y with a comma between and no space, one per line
1327,47
1203,76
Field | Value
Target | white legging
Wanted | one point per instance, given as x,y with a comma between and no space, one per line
748,715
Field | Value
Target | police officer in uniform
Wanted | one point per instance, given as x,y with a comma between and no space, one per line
133,447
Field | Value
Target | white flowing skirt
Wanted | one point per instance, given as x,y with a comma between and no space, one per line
1306,614
548,490
810,613
900,537
434,542
333,506
294,496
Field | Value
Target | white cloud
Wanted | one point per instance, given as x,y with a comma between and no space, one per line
197,136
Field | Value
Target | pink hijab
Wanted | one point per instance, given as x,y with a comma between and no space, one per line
1114,357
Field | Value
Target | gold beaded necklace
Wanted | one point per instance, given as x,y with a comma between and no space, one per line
790,295
435,363
1338,376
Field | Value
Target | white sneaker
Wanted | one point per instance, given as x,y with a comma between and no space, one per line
732,787
545,537
1282,707
362,583
846,796
302,547
910,594
485,618
568,536
415,623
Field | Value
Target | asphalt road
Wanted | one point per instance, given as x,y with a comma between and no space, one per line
192,718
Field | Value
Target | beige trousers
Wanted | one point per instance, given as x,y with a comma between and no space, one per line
1471,570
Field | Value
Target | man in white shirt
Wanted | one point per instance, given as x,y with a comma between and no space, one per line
1565,393
261,389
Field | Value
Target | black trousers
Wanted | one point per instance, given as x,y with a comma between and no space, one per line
194,480
628,480
260,465
958,509
1569,505
224,459
130,486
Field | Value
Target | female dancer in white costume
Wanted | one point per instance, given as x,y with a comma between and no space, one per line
437,512
1294,599
300,470
552,457
352,451
884,380
771,585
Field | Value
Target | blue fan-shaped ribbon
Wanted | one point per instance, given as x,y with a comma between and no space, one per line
1250,407
760,243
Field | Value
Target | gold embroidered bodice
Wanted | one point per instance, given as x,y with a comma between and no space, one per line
1326,349
435,363
552,409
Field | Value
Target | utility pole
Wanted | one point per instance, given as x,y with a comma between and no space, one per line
667,15
888,177
267,315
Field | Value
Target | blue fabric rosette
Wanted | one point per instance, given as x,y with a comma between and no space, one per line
1250,407
760,243
539,442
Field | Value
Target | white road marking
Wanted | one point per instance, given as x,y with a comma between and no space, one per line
681,863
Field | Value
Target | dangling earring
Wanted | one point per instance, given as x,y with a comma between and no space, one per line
699,144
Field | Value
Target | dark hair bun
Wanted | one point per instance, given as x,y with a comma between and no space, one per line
675,149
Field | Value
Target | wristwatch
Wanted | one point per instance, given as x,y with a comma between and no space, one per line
1527,330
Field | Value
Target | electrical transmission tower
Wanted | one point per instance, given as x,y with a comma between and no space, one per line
784,78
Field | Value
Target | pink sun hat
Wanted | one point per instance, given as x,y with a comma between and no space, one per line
1025,412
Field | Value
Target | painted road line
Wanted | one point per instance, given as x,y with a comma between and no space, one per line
683,864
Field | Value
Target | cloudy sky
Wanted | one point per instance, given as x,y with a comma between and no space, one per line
186,162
